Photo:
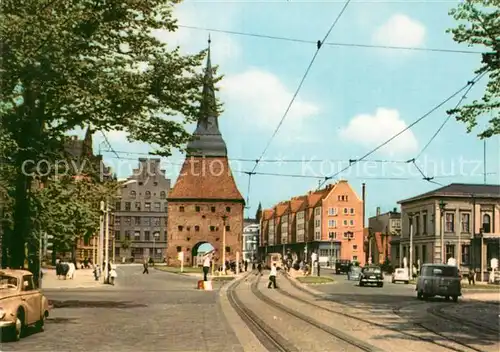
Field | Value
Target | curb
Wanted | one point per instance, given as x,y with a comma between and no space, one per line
302,286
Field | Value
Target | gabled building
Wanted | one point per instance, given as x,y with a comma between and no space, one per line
328,222
205,205
383,229
459,221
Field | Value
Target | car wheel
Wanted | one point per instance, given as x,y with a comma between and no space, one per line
455,299
420,295
14,333
40,325
380,285
447,298
361,284
407,282
393,281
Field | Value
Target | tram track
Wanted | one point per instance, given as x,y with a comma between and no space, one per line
437,311
396,311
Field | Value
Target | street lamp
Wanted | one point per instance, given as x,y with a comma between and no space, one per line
224,218
410,264
442,206
330,235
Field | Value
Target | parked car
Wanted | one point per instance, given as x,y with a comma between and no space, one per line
21,304
342,266
439,280
400,275
371,275
354,273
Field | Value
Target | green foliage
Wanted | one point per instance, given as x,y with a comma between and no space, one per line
479,24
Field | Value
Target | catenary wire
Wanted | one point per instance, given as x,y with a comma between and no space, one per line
318,47
336,44
109,144
401,132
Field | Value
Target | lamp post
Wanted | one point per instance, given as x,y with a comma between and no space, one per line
224,218
410,264
331,249
442,206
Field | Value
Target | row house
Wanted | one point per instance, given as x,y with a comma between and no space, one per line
328,222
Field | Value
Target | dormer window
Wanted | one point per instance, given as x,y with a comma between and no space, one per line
163,195
181,209
147,195
180,227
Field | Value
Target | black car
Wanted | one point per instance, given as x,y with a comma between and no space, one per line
342,266
371,275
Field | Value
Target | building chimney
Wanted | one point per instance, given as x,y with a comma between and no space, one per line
395,210
378,211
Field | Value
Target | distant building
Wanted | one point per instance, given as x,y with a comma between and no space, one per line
250,239
141,214
382,229
328,222
466,215
205,205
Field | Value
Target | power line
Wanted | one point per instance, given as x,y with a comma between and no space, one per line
336,44
109,144
318,47
399,133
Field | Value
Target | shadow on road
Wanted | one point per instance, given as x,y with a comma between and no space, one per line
96,304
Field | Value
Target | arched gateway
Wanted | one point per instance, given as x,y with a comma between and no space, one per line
205,204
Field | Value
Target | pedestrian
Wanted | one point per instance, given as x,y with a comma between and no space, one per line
317,263
112,276
253,265
145,271
471,277
259,269
97,272
272,277
206,266
246,265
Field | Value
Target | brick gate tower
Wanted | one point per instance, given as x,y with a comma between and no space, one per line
205,198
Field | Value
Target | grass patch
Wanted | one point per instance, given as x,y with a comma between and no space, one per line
176,270
489,287
222,278
314,280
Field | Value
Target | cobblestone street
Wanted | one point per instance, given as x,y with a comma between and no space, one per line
155,312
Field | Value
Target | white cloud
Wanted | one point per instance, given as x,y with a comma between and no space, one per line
400,30
372,130
261,99
224,47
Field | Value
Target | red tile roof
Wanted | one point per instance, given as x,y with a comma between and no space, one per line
206,178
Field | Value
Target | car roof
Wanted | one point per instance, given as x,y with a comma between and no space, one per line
440,266
15,272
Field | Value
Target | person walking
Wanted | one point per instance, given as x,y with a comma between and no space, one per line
145,271
97,272
272,277
259,269
246,265
206,266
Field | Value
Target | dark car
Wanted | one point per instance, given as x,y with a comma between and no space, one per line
342,266
371,275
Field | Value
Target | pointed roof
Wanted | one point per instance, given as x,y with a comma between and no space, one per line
207,139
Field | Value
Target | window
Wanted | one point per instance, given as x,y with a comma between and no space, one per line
450,251
157,206
137,236
449,225
156,221
424,224
138,205
317,236
117,220
486,223
212,228
317,223
323,252
197,228
332,223
212,209
345,210
424,253
465,254
228,209
163,195
147,206
117,235
137,221
147,195
228,228
332,235
351,211
133,194
354,258
197,208
355,247
146,235
165,206
179,249
317,211
332,211
156,235
118,206
128,220
181,209
345,222
465,221
127,206
180,227
342,198
351,222
28,283
127,235
146,221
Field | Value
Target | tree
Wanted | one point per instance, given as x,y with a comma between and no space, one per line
258,214
480,25
67,64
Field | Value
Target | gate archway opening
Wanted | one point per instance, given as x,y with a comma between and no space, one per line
198,251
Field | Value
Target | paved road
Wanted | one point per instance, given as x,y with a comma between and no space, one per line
156,312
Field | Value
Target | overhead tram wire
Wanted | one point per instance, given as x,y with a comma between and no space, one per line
336,44
355,161
318,47
109,144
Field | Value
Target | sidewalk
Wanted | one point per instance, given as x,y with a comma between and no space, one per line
84,278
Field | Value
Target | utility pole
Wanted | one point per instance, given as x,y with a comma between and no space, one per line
100,244
106,248
410,266
363,196
224,217
442,206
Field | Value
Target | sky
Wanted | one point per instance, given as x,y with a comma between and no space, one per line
353,99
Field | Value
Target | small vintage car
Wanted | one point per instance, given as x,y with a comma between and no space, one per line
371,275
354,273
21,304
439,280
400,275
342,266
